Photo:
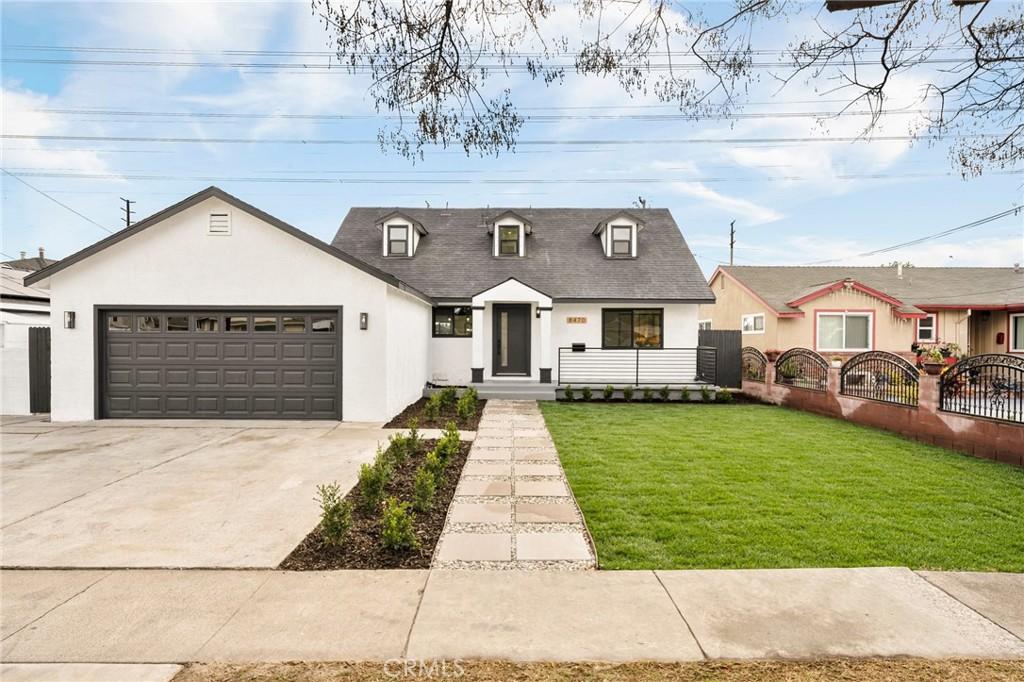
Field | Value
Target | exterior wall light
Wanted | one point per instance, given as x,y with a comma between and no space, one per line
69,319
364,321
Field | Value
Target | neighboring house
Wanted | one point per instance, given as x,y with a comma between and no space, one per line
213,308
845,310
30,264
21,307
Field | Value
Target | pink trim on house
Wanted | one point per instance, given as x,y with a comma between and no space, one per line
824,291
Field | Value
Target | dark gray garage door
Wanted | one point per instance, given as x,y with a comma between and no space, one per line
221,363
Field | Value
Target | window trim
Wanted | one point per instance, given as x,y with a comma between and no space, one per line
508,226
1011,331
613,241
453,335
752,316
633,312
870,314
388,241
934,328
703,322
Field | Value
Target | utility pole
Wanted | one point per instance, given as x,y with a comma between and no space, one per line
127,209
732,239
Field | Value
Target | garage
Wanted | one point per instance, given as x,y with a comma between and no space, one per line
243,363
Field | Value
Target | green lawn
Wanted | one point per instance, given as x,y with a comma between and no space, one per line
755,486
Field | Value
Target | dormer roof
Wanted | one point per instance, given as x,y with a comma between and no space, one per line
395,216
601,226
504,215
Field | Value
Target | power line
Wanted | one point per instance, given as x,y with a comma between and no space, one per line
966,226
57,201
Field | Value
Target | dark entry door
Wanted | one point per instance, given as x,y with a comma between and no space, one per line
221,363
39,369
511,340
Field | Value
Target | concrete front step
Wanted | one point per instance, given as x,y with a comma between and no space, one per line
515,391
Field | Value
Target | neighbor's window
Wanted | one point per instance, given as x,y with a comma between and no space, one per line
631,328
926,329
119,323
622,240
398,240
508,240
703,324
453,321
753,324
844,331
1017,333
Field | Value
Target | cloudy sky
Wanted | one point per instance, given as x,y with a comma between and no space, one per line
793,203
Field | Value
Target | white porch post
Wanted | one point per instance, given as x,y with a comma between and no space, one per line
477,367
545,344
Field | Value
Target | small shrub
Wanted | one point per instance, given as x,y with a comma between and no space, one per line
396,529
335,513
705,394
723,396
373,478
435,465
448,397
648,393
587,393
414,442
448,444
423,488
432,410
663,393
627,393
398,449
466,407
569,393
608,392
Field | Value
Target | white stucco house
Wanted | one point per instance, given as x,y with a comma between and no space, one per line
213,308
21,308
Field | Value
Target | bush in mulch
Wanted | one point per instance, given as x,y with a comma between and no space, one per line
444,406
367,528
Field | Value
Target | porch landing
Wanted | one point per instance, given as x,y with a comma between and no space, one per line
514,389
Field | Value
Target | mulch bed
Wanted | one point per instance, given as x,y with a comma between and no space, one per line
362,548
415,412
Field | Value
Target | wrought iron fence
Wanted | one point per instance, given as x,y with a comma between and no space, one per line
801,368
754,364
985,386
877,375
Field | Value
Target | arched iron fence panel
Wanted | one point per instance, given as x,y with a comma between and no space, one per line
877,375
754,364
985,386
802,368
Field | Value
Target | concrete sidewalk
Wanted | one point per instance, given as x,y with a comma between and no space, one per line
158,616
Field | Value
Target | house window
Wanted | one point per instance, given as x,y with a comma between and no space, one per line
236,323
322,323
631,328
703,324
844,331
207,324
264,324
398,240
622,240
148,323
753,324
508,240
453,321
1017,333
119,323
177,323
926,329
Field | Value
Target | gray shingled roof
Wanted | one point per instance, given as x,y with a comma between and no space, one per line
30,264
965,287
563,258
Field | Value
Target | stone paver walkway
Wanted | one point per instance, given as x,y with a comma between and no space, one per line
513,507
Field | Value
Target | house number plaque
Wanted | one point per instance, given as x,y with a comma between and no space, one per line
575,320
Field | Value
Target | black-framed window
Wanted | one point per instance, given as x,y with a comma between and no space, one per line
398,240
629,328
508,240
622,240
455,321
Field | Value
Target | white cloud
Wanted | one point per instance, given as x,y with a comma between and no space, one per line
754,214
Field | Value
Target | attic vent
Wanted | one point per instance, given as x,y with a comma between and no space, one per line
220,224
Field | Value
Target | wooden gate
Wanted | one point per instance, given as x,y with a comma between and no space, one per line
39,369
728,344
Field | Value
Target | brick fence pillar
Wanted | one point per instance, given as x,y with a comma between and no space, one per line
832,382
928,393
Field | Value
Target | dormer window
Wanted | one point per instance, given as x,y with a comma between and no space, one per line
622,240
508,240
398,240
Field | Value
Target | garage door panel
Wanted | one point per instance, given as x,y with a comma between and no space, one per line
220,364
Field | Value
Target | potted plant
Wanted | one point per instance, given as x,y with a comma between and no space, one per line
788,371
951,352
933,361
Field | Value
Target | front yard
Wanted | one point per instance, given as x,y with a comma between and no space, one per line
756,486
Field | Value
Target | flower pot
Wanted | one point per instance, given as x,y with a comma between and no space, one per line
933,368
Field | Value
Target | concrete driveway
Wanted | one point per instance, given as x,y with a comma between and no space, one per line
168,494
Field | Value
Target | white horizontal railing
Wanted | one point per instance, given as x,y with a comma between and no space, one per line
639,366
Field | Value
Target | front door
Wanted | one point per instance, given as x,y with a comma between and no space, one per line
511,340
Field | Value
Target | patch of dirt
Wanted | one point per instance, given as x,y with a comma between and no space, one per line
415,411
847,670
362,548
